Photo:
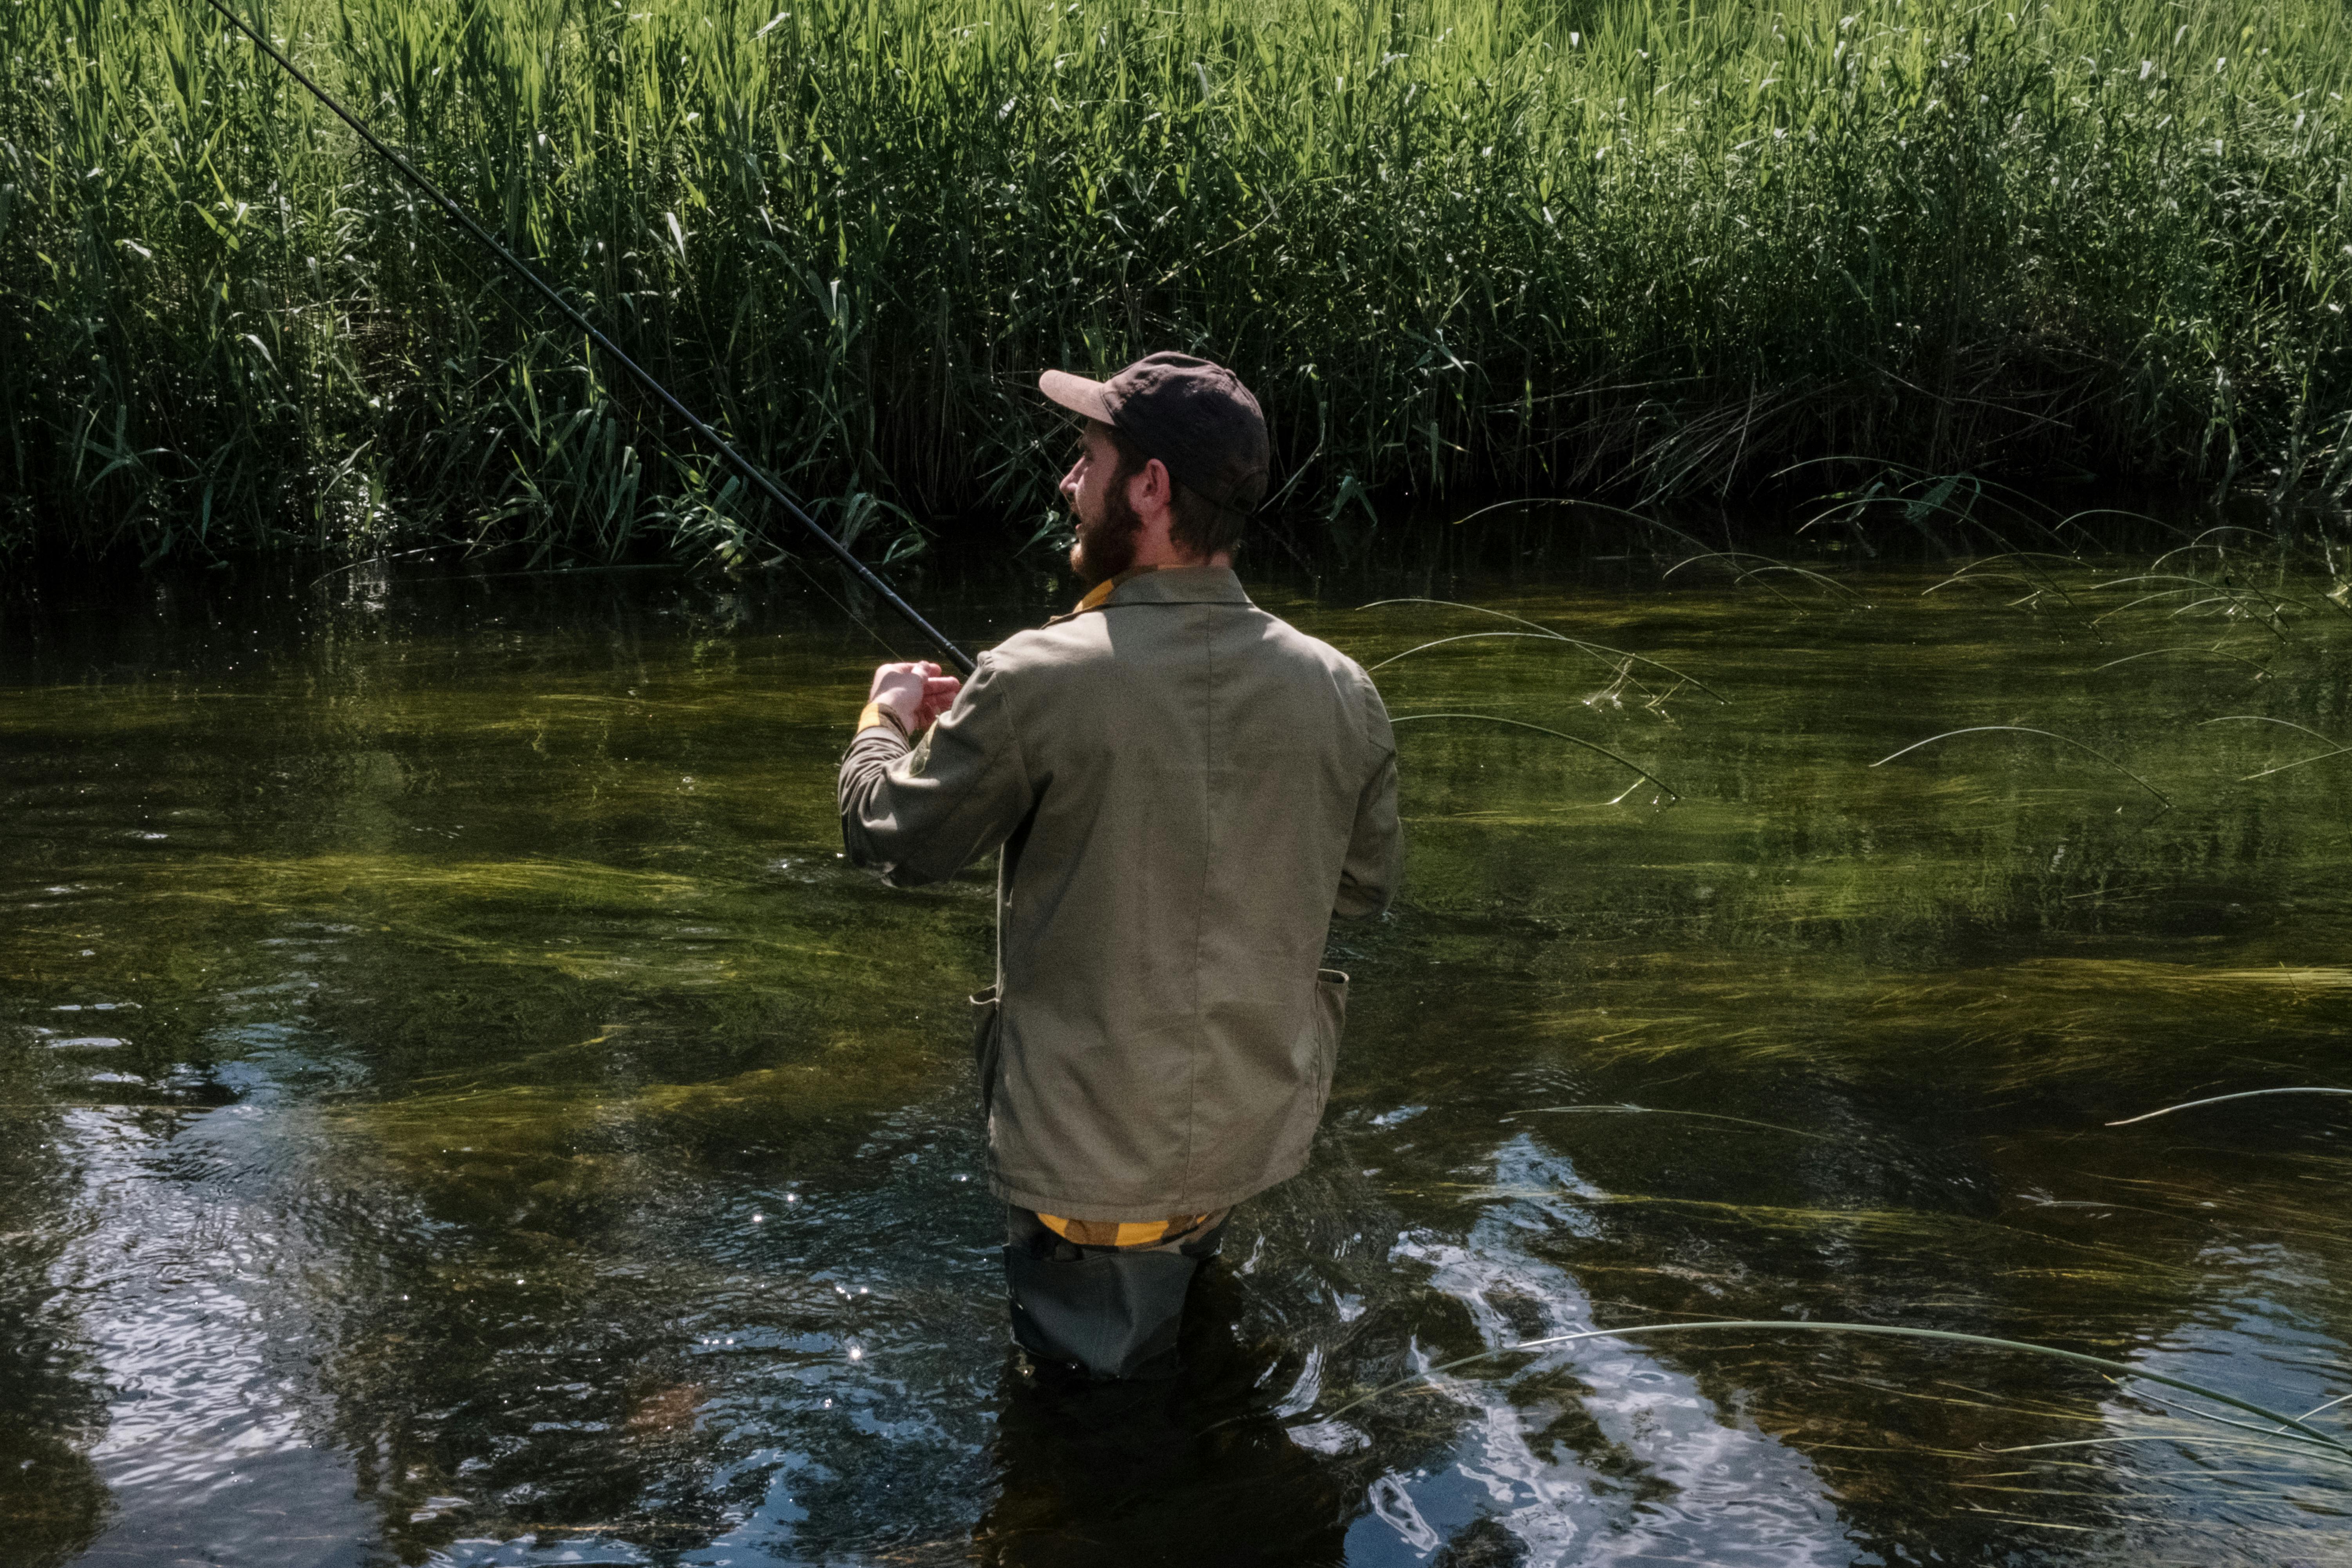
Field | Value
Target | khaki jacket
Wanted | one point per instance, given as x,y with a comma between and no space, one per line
1185,790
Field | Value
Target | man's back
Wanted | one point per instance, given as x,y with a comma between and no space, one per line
1184,789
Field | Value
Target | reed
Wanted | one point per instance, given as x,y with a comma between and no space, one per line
2162,798
2335,750
1612,656
1639,248
2219,1099
1671,793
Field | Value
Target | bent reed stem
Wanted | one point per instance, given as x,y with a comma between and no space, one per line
2223,1098
1541,630
1556,734
2028,729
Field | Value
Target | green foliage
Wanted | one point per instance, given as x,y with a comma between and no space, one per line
1652,249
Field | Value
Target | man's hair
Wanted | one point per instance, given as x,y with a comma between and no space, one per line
1196,525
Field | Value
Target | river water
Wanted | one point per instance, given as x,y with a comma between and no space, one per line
459,1107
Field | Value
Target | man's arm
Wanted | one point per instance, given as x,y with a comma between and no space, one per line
1368,878
919,813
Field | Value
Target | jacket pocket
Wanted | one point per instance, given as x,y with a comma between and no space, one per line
1331,1019
985,1048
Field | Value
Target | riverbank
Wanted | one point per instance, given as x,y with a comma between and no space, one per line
1613,249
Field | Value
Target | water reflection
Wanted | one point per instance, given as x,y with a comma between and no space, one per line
457,1109
1200,1468
1628,1460
51,1384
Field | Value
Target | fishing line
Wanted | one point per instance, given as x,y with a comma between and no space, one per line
954,655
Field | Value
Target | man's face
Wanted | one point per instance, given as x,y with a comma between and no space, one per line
1107,524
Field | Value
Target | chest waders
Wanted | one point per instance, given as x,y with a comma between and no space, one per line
1114,1311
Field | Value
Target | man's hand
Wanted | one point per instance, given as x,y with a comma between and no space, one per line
914,694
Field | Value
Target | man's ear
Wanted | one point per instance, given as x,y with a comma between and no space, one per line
1159,490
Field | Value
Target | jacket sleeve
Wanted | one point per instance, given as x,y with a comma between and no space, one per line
1368,878
922,813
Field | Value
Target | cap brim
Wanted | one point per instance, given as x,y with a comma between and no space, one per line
1076,393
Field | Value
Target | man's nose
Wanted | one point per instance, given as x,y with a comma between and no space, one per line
1070,481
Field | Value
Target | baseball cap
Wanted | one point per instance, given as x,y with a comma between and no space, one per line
1195,417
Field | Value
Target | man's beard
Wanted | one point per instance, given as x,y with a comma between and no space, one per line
1107,548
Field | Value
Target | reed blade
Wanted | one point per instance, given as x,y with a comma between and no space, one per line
2222,1100
1540,630
2027,730
1556,735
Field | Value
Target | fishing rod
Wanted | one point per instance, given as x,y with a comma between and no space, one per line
956,657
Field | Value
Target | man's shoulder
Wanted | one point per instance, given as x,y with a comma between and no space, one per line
1073,639
1289,642
1073,643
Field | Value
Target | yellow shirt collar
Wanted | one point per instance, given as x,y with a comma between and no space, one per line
1107,586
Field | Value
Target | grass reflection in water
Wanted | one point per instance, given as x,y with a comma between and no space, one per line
446,1062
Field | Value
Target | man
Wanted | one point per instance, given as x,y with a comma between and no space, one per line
1184,790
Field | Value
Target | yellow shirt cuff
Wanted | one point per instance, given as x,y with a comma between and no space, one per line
874,715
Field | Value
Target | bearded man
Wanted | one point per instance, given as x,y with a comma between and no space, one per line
1183,791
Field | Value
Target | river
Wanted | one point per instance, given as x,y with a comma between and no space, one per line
460,1109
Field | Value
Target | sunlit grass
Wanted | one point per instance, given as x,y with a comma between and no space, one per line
1659,248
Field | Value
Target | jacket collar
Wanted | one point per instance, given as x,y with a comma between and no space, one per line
1162,585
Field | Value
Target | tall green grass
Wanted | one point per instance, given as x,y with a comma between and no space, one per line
1457,246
